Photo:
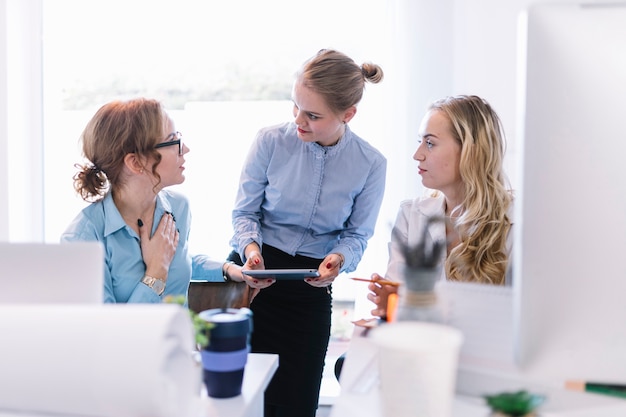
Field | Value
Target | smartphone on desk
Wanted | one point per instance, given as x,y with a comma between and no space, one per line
282,274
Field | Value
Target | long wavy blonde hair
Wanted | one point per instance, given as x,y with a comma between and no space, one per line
483,223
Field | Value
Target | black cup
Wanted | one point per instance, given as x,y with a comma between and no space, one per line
225,357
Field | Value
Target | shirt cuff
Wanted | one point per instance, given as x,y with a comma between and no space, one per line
206,269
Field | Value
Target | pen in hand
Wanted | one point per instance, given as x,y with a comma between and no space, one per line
378,281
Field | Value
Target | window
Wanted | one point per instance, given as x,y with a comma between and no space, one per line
222,71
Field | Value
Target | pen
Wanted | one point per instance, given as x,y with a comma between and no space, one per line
378,281
615,390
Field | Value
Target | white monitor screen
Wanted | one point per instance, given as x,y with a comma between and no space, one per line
570,249
51,273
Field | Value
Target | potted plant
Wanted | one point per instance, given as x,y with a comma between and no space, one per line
514,404
201,327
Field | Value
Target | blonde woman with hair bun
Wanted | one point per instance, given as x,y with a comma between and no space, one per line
309,196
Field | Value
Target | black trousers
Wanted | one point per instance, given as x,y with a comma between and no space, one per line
292,319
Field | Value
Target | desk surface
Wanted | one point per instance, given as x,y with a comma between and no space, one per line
359,386
360,395
259,370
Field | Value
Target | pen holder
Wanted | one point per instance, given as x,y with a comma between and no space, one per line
225,357
421,279
417,297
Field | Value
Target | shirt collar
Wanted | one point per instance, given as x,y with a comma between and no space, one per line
162,205
332,150
113,217
434,207
114,220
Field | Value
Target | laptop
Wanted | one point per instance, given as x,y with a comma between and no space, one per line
70,272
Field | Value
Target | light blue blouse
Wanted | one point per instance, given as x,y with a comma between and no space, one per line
124,268
307,199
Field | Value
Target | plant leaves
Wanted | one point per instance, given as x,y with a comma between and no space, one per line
514,403
202,328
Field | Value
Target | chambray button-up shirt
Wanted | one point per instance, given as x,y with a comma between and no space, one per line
124,268
307,199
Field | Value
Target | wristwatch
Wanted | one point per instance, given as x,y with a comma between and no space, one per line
226,274
156,284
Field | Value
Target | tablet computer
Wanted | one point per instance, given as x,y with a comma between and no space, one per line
282,273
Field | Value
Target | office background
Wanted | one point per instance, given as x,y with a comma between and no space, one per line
427,49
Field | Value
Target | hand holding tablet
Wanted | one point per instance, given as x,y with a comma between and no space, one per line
281,274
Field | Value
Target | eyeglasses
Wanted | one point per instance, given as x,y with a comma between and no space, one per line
175,138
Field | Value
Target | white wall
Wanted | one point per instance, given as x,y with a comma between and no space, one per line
4,152
416,78
485,58
21,122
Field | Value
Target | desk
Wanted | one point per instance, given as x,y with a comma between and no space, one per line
360,396
359,391
259,371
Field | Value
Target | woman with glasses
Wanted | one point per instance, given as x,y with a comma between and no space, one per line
133,154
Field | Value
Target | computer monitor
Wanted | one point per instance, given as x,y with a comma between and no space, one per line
51,272
570,220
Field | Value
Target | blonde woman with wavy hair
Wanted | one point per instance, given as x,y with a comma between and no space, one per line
460,159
